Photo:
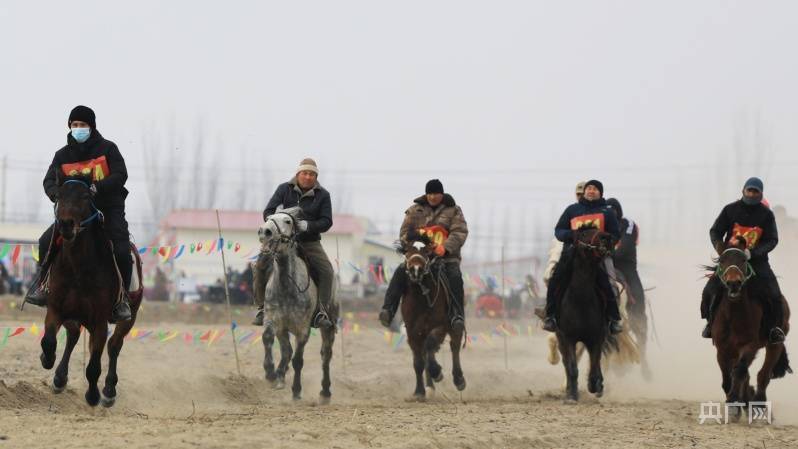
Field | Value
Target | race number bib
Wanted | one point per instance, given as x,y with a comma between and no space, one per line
438,234
592,220
96,168
751,234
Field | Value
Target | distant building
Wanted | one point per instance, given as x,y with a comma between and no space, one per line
352,239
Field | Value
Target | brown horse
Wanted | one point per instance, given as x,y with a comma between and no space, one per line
424,309
83,287
737,335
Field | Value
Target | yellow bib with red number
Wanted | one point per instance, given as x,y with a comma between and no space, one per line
437,233
752,234
96,168
592,220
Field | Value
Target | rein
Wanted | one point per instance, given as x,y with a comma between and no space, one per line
292,243
747,274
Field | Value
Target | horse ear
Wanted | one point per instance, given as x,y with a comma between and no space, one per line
739,242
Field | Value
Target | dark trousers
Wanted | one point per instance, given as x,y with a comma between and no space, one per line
116,230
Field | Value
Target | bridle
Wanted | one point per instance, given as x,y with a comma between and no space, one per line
747,274
96,215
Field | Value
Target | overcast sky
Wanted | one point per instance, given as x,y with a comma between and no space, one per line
509,103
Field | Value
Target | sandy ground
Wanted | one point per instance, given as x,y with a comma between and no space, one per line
180,395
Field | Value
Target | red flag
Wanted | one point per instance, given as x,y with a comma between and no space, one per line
15,256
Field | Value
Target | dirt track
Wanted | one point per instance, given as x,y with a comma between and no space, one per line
178,394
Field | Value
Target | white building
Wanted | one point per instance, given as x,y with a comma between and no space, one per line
352,240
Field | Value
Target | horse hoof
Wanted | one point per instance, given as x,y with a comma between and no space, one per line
418,397
278,385
47,363
56,389
460,385
570,401
108,402
92,398
324,400
439,378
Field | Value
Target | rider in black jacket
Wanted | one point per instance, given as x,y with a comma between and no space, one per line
755,222
590,210
88,154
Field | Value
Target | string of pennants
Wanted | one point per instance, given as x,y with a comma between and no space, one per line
164,253
210,336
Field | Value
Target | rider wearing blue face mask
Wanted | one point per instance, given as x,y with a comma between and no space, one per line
88,154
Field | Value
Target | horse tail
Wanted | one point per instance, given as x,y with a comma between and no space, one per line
782,366
610,344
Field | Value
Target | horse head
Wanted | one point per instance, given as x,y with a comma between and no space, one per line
280,229
75,209
418,252
733,267
593,242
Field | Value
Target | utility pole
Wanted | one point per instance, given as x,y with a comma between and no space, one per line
3,184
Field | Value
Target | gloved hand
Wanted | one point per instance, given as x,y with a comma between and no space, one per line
302,225
719,248
440,251
93,189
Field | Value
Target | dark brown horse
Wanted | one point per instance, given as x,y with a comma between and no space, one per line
737,333
582,311
424,308
84,285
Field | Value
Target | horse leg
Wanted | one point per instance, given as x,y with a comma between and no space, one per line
772,355
115,344
97,339
418,366
268,361
327,341
725,363
455,342
568,353
298,362
62,372
740,380
285,356
595,382
52,324
431,345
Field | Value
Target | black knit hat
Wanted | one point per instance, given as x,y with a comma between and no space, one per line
433,186
596,184
83,114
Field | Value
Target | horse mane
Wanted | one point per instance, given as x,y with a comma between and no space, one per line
86,179
403,245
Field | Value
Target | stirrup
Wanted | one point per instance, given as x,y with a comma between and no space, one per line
550,324
121,310
458,323
258,321
776,336
386,317
707,332
322,320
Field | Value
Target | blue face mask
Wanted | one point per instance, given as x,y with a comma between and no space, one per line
81,134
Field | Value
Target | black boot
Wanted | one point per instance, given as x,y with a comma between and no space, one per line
614,313
121,310
37,294
258,321
776,336
322,320
549,322
393,296
707,332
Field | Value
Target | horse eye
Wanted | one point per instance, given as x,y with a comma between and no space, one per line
286,221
